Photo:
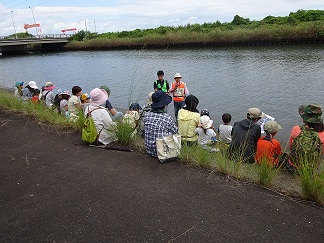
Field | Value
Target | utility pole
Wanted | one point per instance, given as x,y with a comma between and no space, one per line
14,25
34,20
94,22
86,27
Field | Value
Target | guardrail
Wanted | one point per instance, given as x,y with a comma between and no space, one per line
61,36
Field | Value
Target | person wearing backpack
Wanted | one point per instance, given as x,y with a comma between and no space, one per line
48,95
100,116
307,141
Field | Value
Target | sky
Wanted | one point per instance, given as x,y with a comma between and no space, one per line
119,15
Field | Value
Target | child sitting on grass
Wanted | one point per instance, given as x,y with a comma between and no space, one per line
65,96
35,97
206,133
268,148
132,116
85,101
225,129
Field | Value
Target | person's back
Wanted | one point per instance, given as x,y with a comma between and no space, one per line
132,115
100,116
225,129
188,120
268,148
245,135
157,122
206,134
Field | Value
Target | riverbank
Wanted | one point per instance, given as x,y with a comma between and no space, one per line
54,188
275,179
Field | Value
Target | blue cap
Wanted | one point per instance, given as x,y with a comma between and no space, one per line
19,84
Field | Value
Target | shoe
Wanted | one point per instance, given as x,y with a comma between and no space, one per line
212,150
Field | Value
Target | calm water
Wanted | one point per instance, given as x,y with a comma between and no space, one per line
275,79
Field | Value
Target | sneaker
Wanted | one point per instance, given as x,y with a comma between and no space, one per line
212,150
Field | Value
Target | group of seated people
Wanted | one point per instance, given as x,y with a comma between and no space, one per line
243,140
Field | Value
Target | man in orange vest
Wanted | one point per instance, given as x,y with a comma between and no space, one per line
179,91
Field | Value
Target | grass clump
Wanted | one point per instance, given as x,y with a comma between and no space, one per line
265,172
311,177
125,132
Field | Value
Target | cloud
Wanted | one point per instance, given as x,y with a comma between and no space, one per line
131,14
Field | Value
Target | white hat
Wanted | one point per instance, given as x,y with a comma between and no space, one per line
33,84
205,122
177,75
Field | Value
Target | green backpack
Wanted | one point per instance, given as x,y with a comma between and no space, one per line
306,147
89,130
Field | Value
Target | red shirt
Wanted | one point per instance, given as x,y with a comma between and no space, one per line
268,150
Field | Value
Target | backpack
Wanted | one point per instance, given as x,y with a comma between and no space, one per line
89,130
306,147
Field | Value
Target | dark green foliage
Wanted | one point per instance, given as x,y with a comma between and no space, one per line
20,35
84,35
238,20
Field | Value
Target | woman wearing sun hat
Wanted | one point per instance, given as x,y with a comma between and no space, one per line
103,122
28,91
48,95
157,122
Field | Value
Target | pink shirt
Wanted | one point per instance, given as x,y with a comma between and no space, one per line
295,132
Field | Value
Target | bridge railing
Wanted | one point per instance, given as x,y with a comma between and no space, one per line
60,36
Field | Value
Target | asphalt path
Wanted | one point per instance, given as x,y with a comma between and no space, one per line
53,188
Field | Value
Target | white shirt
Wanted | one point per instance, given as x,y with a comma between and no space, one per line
105,126
225,133
49,99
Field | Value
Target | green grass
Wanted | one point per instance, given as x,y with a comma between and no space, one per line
38,111
311,177
124,132
266,172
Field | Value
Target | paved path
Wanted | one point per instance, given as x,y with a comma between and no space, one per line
54,189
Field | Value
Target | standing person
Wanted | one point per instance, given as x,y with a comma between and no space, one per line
188,120
157,122
74,103
179,91
161,83
105,126
225,129
48,95
19,89
28,91
245,135
114,113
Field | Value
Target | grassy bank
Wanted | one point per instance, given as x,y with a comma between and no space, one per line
309,185
300,26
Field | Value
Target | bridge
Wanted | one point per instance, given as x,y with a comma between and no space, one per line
40,43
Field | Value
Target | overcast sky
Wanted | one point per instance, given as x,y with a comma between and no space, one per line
118,15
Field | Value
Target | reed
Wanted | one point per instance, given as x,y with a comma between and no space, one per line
266,172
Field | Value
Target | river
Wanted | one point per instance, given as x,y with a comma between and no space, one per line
277,79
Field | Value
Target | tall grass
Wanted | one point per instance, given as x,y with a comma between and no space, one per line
228,34
38,111
266,172
124,132
311,177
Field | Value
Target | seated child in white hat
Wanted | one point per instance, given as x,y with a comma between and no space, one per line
206,133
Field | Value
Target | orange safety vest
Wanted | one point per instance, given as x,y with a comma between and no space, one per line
179,93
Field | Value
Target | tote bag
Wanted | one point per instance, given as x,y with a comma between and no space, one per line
168,147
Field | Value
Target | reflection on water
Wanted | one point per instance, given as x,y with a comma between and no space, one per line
276,79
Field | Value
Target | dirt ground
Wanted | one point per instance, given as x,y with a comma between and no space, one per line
53,188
